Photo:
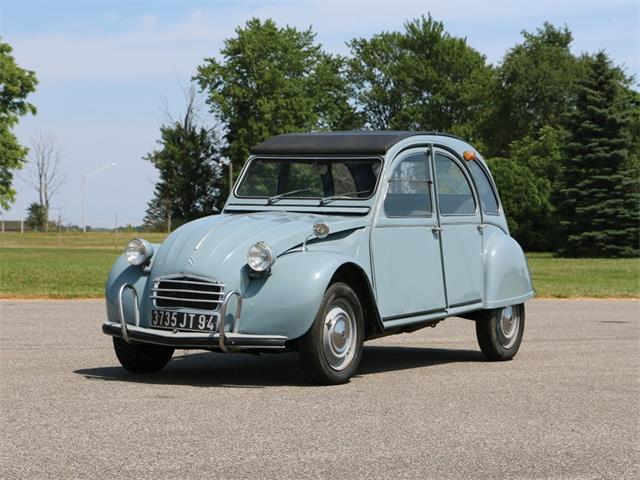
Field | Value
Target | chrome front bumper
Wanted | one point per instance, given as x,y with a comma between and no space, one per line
220,339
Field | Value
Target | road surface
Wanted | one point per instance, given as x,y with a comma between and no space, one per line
423,405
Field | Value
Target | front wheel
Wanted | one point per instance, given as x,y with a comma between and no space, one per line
332,348
500,332
141,358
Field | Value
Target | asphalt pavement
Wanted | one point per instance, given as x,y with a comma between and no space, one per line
423,405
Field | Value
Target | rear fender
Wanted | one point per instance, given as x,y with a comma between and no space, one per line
507,280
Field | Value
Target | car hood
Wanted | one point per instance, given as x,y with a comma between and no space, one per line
216,243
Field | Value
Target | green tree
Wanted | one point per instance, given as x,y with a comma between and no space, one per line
534,87
420,79
274,80
191,181
36,216
15,86
522,200
600,200
533,216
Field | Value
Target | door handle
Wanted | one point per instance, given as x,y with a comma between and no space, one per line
436,230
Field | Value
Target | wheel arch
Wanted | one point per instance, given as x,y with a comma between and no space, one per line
355,276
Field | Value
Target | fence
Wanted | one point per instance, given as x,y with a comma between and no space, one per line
115,223
21,226
14,226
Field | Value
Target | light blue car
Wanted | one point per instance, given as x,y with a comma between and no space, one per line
328,240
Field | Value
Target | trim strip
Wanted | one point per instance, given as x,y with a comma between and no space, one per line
469,302
414,314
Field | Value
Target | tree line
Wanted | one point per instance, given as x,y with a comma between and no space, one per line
560,131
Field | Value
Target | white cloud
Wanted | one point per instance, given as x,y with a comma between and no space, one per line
156,47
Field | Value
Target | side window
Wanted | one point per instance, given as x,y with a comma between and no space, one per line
488,198
455,196
408,194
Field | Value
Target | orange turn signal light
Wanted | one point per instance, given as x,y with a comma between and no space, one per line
469,155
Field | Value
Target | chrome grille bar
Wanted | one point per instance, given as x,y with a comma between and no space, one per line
186,291
195,281
182,299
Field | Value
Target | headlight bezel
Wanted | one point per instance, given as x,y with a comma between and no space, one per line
138,252
263,249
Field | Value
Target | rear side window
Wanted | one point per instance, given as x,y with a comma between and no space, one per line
454,192
408,194
488,198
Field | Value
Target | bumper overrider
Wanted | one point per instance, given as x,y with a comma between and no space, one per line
216,340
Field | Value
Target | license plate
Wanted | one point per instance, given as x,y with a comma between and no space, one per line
198,322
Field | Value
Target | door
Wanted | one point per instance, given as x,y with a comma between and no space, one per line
405,250
460,231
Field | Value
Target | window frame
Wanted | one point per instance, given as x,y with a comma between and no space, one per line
302,158
396,164
468,178
487,174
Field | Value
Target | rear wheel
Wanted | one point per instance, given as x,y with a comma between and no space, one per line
500,332
141,358
332,348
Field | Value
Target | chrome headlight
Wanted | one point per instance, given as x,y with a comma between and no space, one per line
138,251
259,257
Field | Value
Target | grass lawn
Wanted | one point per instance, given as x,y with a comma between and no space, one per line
66,265
584,277
75,265
46,272
100,240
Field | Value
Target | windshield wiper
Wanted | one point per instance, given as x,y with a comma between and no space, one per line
288,194
348,195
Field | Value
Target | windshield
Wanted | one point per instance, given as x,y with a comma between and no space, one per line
276,178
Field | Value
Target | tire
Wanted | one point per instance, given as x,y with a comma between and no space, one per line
331,350
141,358
500,332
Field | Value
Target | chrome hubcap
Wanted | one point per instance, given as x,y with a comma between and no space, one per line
339,337
509,326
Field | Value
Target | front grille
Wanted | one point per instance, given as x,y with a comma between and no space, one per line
197,293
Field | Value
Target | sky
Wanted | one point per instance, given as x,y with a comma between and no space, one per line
110,71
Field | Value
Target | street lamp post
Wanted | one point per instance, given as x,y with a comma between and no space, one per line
84,181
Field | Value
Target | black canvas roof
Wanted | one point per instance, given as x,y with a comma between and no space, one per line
325,143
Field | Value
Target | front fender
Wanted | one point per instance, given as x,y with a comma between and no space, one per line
507,280
287,301
122,273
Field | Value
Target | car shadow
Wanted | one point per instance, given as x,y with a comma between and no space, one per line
207,369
